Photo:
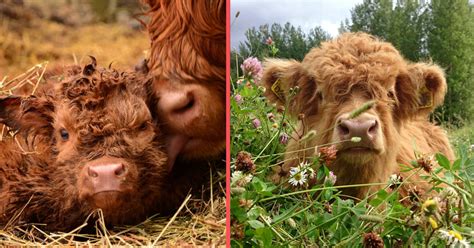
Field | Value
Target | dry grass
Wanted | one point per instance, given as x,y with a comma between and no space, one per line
48,41
197,222
205,228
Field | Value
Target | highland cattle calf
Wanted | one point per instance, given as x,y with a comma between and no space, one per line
87,142
187,62
336,79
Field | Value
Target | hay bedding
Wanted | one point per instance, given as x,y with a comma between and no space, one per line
197,222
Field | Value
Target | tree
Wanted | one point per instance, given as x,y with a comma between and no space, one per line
402,25
290,42
372,16
406,29
450,44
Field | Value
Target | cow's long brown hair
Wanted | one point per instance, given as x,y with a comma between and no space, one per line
187,38
339,76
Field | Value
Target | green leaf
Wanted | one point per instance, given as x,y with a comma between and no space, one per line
258,185
264,236
375,202
327,195
457,164
237,212
443,161
256,224
382,194
255,212
449,177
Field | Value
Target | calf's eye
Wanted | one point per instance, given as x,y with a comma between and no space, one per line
391,95
143,126
64,134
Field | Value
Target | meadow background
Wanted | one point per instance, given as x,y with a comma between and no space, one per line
266,214
37,35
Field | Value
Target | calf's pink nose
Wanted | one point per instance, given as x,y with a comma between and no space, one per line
365,129
106,177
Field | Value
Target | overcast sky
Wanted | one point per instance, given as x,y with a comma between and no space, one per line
305,13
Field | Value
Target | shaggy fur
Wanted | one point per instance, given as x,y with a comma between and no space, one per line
339,77
91,116
187,61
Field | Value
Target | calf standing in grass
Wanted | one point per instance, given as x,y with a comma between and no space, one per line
88,142
339,77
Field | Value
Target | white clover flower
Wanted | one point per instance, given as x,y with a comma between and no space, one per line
297,176
240,179
330,179
236,175
394,181
246,179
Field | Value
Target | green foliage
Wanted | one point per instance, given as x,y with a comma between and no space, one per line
289,42
450,43
266,213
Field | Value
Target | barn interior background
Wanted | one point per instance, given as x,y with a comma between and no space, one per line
265,214
37,35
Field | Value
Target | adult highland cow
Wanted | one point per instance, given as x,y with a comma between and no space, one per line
87,142
187,60
339,77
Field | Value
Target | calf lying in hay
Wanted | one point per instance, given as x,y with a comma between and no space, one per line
333,83
87,142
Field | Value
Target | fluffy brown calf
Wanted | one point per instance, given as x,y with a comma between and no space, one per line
187,60
86,143
339,77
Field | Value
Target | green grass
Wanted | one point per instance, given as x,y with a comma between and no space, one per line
463,136
265,214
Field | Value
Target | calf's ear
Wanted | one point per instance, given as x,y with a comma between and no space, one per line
26,113
288,84
420,89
